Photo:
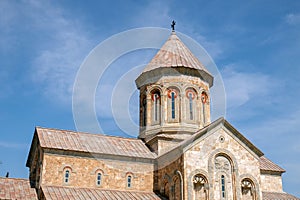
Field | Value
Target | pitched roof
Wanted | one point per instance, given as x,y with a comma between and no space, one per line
265,163
55,192
92,143
15,188
268,165
278,196
209,127
174,54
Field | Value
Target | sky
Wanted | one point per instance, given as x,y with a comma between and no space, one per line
254,44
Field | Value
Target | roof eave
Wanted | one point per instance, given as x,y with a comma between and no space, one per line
152,76
33,147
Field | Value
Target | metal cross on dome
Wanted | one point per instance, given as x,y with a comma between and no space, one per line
173,25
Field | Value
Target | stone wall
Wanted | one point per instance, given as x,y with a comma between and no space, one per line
83,172
200,159
271,182
168,176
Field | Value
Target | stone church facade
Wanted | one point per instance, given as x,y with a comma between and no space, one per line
179,154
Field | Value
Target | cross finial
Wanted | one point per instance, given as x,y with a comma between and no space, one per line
173,25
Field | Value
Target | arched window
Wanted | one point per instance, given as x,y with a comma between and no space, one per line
156,106
129,179
248,191
200,187
204,99
225,176
173,104
99,178
144,111
223,187
191,104
67,176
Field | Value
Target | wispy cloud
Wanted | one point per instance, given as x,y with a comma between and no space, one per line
56,65
10,145
58,42
242,86
293,19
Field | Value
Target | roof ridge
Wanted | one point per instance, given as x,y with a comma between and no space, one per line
88,133
12,178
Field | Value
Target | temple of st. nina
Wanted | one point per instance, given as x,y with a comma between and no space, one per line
179,153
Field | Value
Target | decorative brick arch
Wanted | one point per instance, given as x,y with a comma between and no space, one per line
234,170
98,169
62,168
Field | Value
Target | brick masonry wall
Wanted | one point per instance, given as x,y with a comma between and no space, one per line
84,170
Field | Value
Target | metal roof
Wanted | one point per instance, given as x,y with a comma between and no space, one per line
16,188
268,165
70,193
278,196
92,143
174,54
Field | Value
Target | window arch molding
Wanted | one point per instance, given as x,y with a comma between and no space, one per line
173,96
95,173
98,169
67,175
204,96
129,176
143,110
191,184
254,182
234,170
62,168
191,104
156,105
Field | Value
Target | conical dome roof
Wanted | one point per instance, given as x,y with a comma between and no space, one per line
174,54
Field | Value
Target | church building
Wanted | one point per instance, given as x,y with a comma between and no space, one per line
180,154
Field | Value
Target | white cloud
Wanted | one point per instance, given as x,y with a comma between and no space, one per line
241,87
292,19
56,65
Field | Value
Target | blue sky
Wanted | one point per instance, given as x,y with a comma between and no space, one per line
255,45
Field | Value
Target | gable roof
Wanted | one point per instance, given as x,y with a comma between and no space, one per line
265,163
268,165
16,188
174,54
56,192
206,129
92,143
278,196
